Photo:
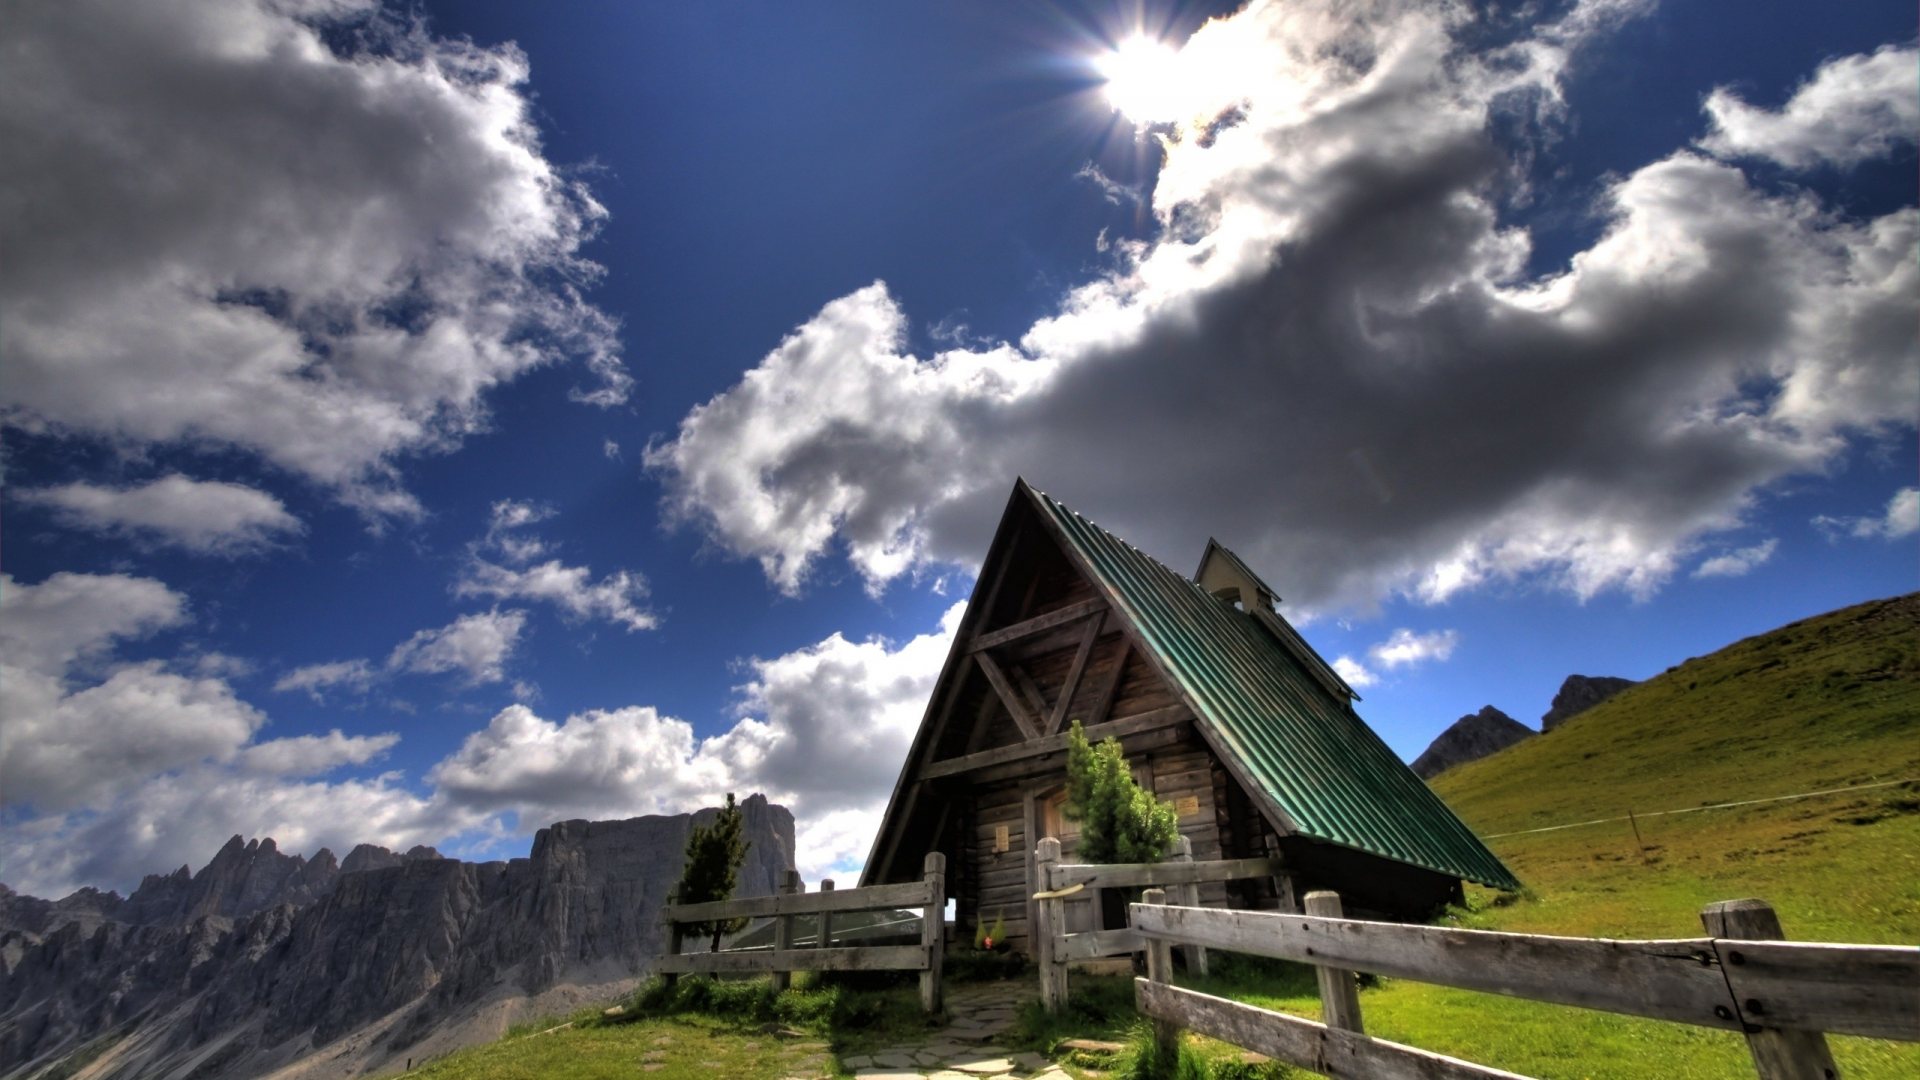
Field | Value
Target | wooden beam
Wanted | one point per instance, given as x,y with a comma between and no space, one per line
1079,668
1678,980
1297,1041
1008,697
1056,617
1111,688
1052,744
871,898
1031,691
846,958
1120,875
1053,763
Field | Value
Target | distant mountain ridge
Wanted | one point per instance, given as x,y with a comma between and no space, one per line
1470,738
264,961
1578,694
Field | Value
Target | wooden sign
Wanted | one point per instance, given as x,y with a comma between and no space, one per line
1187,805
1001,841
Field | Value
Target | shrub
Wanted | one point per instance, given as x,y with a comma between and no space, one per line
1119,821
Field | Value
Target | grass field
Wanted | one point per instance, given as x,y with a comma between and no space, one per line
1829,702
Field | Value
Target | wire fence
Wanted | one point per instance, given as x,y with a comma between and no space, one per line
1711,806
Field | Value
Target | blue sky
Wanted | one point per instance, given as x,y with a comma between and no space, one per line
425,424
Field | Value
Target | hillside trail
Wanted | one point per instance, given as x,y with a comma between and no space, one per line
979,1015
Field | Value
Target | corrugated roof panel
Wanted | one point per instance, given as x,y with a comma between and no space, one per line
1316,759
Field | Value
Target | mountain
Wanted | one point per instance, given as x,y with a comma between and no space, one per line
1578,694
264,961
1470,738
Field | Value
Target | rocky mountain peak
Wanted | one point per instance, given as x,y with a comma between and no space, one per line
1578,694
1470,738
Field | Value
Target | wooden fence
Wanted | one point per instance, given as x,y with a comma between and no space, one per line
1744,977
1054,948
928,894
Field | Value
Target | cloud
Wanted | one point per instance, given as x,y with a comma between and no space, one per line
1336,327
353,676
1738,562
209,517
1404,648
1853,109
1356,674
477,646
1901,519
616,598
319,237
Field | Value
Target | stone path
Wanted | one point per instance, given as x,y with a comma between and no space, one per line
978,1015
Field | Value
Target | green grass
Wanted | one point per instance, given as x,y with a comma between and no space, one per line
684,1048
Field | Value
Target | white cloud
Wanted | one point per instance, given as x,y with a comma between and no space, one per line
615,598
1902,518
477,646
210,517
1404,648
1338,286
1853,109
311,755
1738,562
241,237
353,676
1356,674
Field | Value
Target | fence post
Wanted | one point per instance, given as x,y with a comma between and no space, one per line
1339,996
1166,1033
1046,934
824,940
1190,895
933,929
674,935
790,885
1777,1054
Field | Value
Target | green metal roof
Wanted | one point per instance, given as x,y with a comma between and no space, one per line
1315,760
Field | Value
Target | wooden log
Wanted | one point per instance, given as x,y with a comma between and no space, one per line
790,884
1339,993
1110,690
1778,1054
1092,944
842,958
1871,990
1189,894
1053,744
1075,673
676,934
1666,980
1166,1030
933,924
824,939
1008,697
1301,1042
871,898
1029,627
1122,875
1050,923
1051,764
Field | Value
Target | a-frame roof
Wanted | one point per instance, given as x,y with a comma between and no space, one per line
1314,767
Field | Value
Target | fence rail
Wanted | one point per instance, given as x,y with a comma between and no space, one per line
1055,947
783,959
1781,995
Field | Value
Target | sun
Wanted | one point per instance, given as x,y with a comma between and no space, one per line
1144,80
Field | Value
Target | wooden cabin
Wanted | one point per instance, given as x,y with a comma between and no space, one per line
1222,708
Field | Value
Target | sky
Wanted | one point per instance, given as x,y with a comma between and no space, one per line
422,424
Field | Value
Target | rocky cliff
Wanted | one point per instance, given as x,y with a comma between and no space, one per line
264,960
1578,694
1470,738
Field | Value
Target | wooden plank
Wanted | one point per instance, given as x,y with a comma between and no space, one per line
871,958
1122,875
933,926
1050,922
1103,703
1871,990
1015,707
790,885
1339,993
1054,744
1666,980
1030,819
1026,628
1778,1054
1091,944
1074,673
1166,1030
1302,1042
871,898
1053,765
1031,691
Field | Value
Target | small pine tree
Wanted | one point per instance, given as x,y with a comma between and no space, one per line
714,854
1119,821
